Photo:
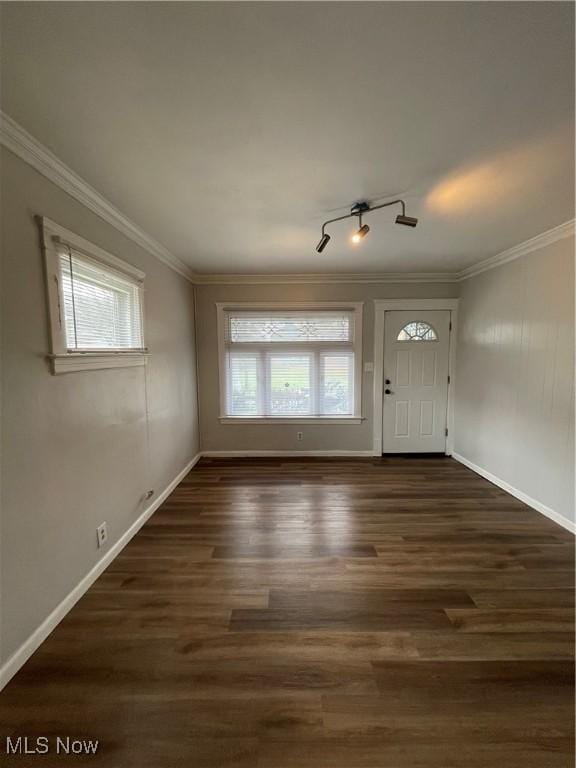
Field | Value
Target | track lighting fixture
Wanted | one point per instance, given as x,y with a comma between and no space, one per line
359,209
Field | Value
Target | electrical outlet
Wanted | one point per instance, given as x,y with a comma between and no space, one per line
149,494
299,435
102,534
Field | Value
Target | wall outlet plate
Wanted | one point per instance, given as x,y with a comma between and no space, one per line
102,534
299,435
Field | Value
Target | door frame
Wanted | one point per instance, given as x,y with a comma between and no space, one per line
381,306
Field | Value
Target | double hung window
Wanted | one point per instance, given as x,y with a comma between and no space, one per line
96,304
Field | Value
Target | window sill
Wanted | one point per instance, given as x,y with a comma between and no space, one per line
92,361
291,420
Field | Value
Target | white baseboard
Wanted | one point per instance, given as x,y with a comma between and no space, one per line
264,454
21,656
534,503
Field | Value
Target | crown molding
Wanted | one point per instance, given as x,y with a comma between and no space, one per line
533,244
344,277
26,147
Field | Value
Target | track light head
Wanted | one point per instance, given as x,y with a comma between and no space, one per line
408,221
324,240
361,233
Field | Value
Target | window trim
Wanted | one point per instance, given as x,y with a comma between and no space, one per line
291,419
356,307
61,359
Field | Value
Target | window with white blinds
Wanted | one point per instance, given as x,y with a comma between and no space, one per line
290,363
101,306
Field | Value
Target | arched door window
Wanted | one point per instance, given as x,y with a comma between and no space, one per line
417,331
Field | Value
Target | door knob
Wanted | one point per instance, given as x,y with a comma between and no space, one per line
387,381
388,392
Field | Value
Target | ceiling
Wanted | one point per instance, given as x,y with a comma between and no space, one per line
230,131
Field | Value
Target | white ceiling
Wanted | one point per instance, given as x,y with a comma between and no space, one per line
230,131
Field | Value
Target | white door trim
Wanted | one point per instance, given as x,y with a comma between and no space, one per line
381,306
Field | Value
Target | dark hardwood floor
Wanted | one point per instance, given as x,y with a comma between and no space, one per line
308,613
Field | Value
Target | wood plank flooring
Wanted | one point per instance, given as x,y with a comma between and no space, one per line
308,613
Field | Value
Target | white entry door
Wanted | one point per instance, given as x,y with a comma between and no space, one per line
416,353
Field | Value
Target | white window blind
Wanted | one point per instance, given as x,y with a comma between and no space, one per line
282,364
102,306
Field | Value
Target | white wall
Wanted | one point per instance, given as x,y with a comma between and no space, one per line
282,437
515,375
84,447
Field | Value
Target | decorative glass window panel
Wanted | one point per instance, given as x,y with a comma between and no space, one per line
417,331
289,363
290,327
